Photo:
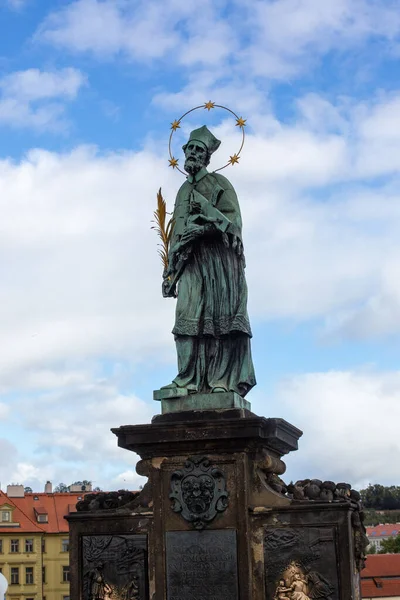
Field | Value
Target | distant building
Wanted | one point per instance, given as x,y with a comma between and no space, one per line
381,577
34,542
382,532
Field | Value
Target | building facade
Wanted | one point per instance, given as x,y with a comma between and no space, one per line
34,543
382,532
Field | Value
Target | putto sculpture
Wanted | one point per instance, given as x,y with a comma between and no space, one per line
204,269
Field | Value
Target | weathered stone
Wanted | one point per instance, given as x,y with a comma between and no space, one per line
170,392
202,565
217,401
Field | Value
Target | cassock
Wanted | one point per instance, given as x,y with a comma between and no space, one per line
212,329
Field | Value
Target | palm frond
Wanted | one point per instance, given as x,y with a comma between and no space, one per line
163,229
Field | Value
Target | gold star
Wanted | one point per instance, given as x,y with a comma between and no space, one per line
175,125
173,162
209,105
241,122
234,159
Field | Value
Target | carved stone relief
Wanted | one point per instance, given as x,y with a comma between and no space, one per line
114,566
300,563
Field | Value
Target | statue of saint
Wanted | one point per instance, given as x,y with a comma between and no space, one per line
206,272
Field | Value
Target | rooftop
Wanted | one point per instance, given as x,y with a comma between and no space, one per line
381,576
27,509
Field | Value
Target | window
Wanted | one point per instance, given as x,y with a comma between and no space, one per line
1,546
65,597
43,574
14,545
15,575
5,516
29,545
65,545
65,573
42,518
29,575
30,599
43,545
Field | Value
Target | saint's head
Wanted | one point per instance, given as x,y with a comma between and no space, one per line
202,143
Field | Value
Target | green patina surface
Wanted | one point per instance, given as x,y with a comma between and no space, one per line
217,401
207,267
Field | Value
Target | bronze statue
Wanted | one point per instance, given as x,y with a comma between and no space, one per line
206,273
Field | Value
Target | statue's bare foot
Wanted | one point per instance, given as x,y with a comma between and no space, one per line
218,389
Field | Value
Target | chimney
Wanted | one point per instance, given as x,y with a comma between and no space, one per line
80,488
48,488
15,491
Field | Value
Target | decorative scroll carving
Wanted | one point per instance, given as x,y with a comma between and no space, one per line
114,566
300,563
198,491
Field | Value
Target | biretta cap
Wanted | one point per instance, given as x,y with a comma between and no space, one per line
204,135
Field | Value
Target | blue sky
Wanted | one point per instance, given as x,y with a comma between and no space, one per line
88,90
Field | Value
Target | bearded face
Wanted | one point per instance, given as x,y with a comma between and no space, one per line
197,157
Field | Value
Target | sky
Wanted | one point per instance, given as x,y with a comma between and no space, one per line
88,92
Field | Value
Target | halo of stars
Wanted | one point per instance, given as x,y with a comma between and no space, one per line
240,122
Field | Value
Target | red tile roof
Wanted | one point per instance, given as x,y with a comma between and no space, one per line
26,523
55,505
382,565
388,530
389,589
381,576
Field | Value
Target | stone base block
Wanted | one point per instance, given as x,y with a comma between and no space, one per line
216,401
170,392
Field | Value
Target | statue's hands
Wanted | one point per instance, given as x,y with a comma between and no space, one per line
192,234
166,289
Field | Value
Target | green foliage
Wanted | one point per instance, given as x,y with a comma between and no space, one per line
61,488
371,549
380,497
28,489
372,517
390,546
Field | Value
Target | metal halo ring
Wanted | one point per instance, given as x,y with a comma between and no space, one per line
240,122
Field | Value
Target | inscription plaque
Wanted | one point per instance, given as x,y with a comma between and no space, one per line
202,565
114,566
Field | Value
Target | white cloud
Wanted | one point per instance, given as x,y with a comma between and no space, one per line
290,34
143,30
36,99
340,414
75,231
80,276
4,411
285,36
34,84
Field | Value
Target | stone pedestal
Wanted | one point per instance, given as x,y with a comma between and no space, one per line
213,519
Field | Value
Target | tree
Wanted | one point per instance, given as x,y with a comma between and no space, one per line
390,546
28,490
371,549
381,497
61,488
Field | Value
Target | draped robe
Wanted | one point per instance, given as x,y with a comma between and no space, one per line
212,330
